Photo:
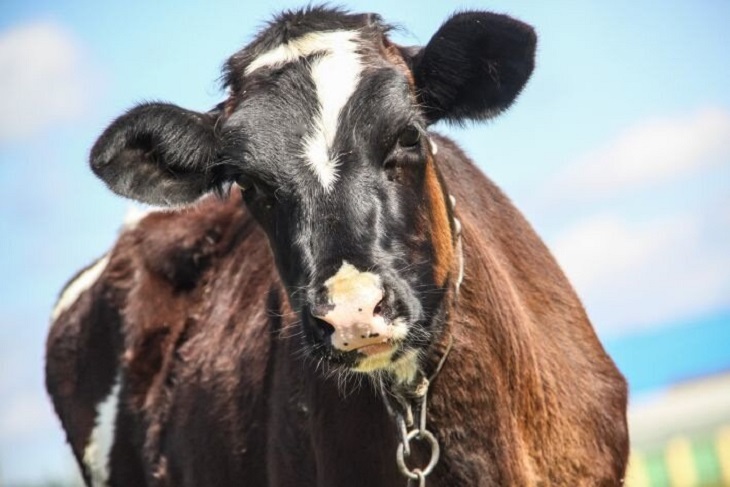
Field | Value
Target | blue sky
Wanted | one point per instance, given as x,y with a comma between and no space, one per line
618,151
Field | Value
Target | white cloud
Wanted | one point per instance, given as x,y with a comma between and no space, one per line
652,151
644,253
44,79
634,274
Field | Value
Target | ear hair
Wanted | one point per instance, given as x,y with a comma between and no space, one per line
158,153
474,67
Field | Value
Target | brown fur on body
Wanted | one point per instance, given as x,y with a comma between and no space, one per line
215,390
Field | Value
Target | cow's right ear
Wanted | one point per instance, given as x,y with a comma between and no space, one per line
158,154
474,67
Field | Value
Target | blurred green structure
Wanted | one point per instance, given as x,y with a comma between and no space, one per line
682,437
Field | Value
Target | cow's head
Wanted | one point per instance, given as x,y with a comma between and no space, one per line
325,132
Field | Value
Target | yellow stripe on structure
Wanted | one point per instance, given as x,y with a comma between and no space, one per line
637,474
723,452
680,463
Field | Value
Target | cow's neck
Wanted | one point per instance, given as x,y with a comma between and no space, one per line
427,364
407,401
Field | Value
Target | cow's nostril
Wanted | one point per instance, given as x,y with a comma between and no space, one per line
322,329
378,308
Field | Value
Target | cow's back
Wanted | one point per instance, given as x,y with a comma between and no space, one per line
196,298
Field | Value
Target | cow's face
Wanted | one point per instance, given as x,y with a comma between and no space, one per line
325,133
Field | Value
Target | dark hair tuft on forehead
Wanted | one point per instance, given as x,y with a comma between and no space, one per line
292,24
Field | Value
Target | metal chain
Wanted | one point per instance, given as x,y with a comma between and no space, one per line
421,482
404,420
404,415
417,473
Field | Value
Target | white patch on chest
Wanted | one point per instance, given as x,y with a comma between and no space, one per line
98,449
75,288
335,74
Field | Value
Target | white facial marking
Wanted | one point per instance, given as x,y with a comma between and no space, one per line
350,285
335,75
74,289
434,147
97,451
300,47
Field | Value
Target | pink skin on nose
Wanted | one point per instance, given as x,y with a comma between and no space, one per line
355,297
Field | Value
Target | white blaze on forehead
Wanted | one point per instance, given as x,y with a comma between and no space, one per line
74,289
335,75
302,46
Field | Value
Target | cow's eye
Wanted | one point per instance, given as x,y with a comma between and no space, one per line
410,136
244,183
257,193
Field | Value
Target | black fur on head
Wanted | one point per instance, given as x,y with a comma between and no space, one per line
326,130
293,24
474,66
472,69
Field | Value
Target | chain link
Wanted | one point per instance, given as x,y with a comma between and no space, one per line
421,479
417,473
402,410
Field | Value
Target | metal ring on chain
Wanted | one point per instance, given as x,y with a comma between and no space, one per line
435,452
421,478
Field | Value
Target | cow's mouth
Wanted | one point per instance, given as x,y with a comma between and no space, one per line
375,357
364,350
376,349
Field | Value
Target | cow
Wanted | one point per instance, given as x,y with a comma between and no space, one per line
333,294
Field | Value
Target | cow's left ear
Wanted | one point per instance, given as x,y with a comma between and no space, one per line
158,154
474,66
